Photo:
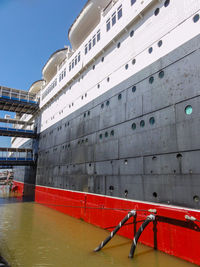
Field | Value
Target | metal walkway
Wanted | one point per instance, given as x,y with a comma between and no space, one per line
18,101
16,157
13,132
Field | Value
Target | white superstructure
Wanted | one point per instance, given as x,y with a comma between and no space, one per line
111,41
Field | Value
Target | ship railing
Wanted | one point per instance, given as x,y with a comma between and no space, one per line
18,95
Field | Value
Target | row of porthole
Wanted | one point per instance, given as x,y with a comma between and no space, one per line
157,11
83,141
161,75
86,114
82,97
160,43
142,123
112,133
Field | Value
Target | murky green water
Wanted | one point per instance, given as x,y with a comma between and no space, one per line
33,235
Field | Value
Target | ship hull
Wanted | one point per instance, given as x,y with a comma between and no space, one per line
170,233
135,147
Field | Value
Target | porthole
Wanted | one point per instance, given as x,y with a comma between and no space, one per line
150,50
102,105
134,89
68,123
160,43
188,110
179,156
69,146
161,74
107,103
126,193
119,96
131,33
134,61
98,86
85,94
118,45
108,79
84,115
102,59
106,134
142,123
151,79
86,140
93,67
167,2
156,12
82,141
196,18
133,126
100,136
78,142
111,188
126,162
126,66
82,97
112,133
155,194
88,113
196,199
152,120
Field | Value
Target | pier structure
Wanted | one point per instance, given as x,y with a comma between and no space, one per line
21,102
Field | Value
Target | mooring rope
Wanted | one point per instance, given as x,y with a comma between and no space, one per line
96,208
113,233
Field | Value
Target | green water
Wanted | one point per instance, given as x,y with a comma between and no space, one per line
34,235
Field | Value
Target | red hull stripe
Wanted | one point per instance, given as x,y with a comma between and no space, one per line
171,233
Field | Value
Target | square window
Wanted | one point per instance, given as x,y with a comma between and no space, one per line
114,18
94,40
98,36
119,12
86,49
90,45
108,25
133,2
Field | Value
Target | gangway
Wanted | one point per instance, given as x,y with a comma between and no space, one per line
16,157
15,121
18,101
15,132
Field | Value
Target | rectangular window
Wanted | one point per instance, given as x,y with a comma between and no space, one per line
108,25
70,66
79,57
76,60
98,36
114,18
86,49
133,2
59,77
94,40
64,72
119,12
90,45
72,63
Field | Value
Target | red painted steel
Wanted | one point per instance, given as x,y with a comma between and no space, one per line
172,234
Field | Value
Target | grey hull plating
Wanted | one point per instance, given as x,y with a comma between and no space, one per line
102,148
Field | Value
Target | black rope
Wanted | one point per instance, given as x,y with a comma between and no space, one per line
84,207
138,234
113,233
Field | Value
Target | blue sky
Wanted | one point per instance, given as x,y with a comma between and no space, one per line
30,31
